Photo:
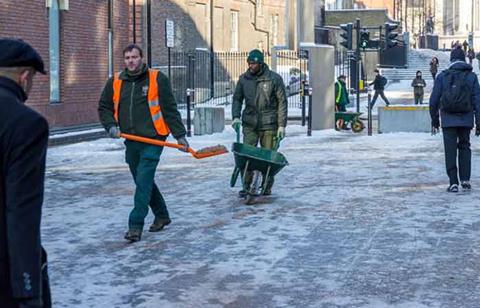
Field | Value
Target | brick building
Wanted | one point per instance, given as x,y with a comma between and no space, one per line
238,25
73,40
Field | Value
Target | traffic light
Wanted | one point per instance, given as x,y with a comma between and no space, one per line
390,36
364,39
347,35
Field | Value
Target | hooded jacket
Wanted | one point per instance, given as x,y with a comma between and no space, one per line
456,119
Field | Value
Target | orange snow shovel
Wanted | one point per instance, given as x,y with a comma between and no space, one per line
202,153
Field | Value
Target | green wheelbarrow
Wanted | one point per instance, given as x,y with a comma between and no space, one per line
258,160
351,117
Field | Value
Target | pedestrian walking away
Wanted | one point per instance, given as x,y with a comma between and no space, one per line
379,84
23,146
456,100
434,67
418,83
264,116
341,99
471,55
139,101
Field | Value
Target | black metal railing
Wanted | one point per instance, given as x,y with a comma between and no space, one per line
192,70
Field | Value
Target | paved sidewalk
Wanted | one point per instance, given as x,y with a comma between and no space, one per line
355,221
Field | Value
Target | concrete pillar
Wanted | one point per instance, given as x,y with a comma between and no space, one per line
305,21
322,80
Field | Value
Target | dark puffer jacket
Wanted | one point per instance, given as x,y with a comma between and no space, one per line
456,119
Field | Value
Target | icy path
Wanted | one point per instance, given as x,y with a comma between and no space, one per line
354,221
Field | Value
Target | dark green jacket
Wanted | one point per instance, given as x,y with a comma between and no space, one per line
265,100
133,114
341,94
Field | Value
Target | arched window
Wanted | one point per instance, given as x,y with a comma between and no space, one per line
54,43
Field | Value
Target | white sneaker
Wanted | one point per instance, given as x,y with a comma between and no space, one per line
453,188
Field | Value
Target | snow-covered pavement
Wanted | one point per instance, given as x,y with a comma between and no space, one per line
354,221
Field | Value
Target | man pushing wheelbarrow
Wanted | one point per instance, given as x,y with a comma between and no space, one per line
264,116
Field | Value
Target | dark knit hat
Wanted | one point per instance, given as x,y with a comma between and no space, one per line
457,54
16,53
255,56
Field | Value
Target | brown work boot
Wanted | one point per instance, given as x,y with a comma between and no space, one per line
158,224
133,235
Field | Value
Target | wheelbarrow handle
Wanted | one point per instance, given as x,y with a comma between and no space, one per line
238,134
276,145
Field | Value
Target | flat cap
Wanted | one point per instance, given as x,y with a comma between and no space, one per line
16,53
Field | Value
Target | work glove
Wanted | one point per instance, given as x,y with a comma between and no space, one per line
183,141
236,123
114,132
281,133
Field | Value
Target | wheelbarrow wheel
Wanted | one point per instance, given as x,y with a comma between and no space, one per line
357,126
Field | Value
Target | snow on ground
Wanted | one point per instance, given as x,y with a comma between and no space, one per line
354,221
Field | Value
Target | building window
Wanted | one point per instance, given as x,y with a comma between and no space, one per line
273,30
234,30
54,51
260,7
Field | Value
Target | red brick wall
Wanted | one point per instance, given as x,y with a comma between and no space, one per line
84,53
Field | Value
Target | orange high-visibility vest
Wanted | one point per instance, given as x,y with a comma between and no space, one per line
153,103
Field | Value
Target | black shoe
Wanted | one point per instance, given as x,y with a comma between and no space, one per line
158,224
453,188
242,193
133,235
466,186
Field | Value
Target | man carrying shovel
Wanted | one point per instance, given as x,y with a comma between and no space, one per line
139,101
264,117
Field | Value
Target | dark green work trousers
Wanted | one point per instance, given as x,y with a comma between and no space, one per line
267,141
142,160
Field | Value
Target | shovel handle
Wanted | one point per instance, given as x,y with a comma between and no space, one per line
152,141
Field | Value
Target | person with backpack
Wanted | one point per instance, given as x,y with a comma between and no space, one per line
418,83
379,84
456,100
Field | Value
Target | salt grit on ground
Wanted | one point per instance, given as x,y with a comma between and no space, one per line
354,221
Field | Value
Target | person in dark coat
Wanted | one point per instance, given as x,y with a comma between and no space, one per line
434,67
471,55
418,83
379,86
23,146
465,46
456,127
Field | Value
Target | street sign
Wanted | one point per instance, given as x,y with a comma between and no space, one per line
169,33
